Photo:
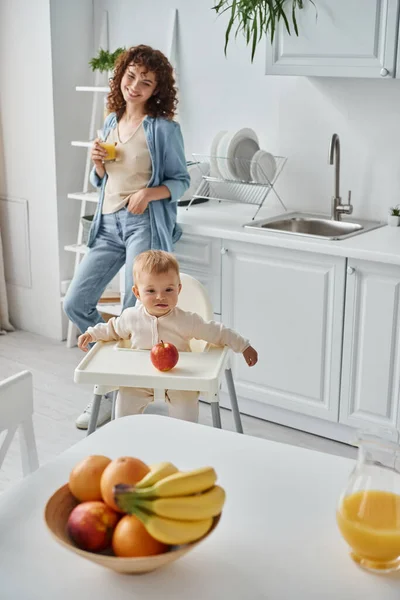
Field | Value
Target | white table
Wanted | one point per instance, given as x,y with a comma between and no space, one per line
277,539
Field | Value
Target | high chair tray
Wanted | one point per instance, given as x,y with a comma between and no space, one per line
116,364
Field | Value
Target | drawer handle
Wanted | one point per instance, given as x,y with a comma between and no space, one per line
224,250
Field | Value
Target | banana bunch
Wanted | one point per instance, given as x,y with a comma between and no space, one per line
176,508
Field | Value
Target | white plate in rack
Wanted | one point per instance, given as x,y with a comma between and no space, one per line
223,153
263,167
242,146
214,171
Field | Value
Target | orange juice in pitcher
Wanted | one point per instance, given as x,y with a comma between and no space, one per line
368,514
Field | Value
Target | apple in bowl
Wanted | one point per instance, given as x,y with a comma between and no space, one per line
164,356
91,525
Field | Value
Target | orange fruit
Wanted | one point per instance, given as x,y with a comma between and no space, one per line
84,479
126,470
130,538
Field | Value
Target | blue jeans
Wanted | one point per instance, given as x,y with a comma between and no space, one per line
121,237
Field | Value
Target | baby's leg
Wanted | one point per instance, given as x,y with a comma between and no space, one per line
132,401
183,405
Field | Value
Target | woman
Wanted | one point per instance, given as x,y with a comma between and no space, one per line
138,192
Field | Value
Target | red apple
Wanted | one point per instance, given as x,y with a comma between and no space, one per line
164,356
91,525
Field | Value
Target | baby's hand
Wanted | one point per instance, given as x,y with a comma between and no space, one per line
84,340
250,356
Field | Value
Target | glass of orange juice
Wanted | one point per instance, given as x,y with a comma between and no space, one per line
368,514
108,147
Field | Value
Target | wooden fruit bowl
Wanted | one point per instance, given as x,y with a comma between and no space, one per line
57,511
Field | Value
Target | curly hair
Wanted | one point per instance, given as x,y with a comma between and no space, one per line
164,102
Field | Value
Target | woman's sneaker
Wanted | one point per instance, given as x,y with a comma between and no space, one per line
82,422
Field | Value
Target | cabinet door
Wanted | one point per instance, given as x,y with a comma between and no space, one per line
200,257
348,38
290,305
371,348
398,56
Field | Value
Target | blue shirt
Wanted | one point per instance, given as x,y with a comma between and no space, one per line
165,142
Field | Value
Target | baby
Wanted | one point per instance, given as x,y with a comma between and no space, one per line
157,317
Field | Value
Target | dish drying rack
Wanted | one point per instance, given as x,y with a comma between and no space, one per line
229,189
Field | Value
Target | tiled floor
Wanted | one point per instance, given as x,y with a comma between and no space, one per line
58,401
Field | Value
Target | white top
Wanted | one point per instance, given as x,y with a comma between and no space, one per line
131,171
277,539
177,327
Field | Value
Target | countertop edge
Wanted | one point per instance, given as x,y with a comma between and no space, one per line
343,248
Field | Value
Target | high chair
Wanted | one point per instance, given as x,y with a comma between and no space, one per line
16,409
110,365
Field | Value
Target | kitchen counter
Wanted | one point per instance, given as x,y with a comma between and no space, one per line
324,333
225,220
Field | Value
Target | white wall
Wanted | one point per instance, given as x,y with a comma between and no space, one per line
72,47
294,117
45,47
28,162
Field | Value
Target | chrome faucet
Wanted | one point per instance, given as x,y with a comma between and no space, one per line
337,208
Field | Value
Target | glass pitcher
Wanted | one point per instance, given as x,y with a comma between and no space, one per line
368,513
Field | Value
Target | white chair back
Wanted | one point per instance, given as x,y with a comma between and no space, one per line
194,298
16,409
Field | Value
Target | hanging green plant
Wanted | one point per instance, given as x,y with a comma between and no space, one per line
105,60
255,18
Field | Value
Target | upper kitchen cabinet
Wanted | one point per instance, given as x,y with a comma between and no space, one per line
371,346
398,53
349,38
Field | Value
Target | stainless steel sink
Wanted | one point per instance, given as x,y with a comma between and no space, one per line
315,226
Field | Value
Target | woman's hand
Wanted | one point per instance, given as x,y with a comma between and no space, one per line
250,356
98,155
138,202
84,340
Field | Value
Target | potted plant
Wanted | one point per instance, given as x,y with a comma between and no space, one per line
394,216
255,18
105,60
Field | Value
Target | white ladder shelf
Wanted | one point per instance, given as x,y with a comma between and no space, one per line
87,196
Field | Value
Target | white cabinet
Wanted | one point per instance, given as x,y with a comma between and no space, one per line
371,347
398,56
349,38
200,257
290,305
